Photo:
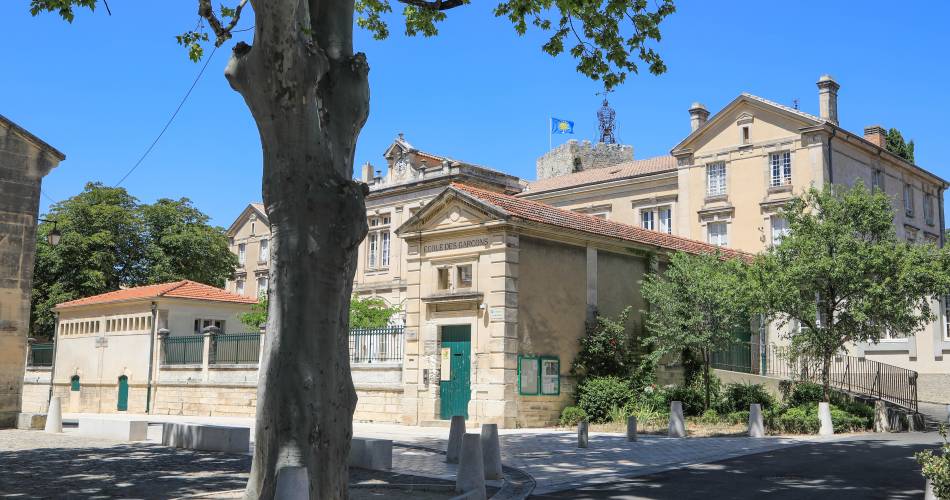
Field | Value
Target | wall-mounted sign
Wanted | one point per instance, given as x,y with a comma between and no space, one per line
412,334
446,366
455,245
550,376
496,313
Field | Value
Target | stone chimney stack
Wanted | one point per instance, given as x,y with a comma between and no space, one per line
828,99
366,173
876,135
698,114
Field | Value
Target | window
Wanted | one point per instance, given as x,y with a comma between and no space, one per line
264,253
779,229
929,209
74,383
781,169
716,179
909,200
877,179
464,276
371,255
717,233
745,135
262,286
239,287
666,220
378,243
539,375
646,219
385,254
201,324
242,253
443,280
946,317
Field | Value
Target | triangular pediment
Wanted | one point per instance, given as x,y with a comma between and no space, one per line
450,210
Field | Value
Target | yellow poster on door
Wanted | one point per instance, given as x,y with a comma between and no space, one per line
446,366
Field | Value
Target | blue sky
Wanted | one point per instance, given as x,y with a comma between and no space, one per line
102,88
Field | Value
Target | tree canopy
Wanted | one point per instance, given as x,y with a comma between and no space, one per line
894,142
110,240
842,274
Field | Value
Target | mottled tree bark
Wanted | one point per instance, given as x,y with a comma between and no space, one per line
309,95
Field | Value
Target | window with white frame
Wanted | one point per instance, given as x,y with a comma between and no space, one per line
909,200
264,251
717,233
239,287
455,277
646,219
262,286
929,209
657,219
665,215
242,253
378,242
779,229
716,179
201,324
877,179
780,168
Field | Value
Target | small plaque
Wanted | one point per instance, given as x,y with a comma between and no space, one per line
446,365
102,342
496,313
412,334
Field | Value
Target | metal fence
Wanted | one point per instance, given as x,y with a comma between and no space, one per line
41,355
235,348
376,345
736,357
183,350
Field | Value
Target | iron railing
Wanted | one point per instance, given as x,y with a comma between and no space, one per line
736,357
235,348
183,350
40,356
376,345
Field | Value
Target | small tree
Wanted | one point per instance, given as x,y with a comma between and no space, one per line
371,312
842,274
607,349
698,304
258,315
894,142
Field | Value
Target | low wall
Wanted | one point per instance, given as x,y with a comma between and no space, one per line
933,387
728,377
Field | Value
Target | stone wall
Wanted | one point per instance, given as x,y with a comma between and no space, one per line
934,387
24,161
573,156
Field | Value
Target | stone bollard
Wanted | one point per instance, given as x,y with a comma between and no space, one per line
54,418
456,431
582,434
293,483
881,421
631,428
677,423
824,418
491,452
471,471
756,426
929,491
948,415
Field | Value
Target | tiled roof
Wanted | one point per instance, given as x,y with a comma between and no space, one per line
184,289
547,214
624,170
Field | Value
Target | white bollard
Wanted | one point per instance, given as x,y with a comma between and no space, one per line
456,431
881,421
631,428
826,428
756,426
471,471
54,418
677,423
948,414
929,491
491,452
582,439
293,483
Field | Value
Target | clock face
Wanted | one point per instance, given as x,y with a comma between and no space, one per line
401,165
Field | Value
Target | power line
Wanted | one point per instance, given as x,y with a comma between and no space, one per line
172,118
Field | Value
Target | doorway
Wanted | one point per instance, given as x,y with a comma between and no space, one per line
455,387
123,400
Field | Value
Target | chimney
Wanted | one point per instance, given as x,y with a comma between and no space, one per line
697,116
876,135
828,99
366,173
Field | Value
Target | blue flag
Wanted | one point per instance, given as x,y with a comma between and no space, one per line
559,126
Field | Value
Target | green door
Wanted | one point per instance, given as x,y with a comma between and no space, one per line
123,403
455,393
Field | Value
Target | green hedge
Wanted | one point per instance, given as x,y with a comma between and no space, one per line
597,396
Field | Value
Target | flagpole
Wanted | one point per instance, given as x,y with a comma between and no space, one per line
550,120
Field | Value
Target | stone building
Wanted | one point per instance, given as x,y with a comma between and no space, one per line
24,161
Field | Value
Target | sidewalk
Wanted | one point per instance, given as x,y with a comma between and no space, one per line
550,456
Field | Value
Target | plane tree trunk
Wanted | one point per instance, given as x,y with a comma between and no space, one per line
309,96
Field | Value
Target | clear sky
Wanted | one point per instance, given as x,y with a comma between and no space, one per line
102,88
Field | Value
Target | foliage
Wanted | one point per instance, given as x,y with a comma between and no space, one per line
698,304
693,395
371,312
738,397
571,416
804,420
804,393
597,396
111,240
257,318
738,417
710,416
843,275
936,466
618,414
606,349
894,142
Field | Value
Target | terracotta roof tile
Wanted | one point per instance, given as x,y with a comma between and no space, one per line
547,214
624,170
184,289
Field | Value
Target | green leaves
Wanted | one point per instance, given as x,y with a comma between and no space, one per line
371,312
895,144
63,7
192,41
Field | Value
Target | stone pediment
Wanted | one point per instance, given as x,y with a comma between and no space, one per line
451,210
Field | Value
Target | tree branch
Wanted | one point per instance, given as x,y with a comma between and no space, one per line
438,5
222,32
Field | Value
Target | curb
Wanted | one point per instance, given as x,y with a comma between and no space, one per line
518,484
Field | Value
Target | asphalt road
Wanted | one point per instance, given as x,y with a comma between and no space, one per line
866,467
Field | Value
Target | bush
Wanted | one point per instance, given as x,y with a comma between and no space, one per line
618,414
936,466
738,417
738,397
693,396
804,393
804,420
597,396
710,417
572,416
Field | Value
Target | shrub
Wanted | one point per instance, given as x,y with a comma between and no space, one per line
607,349
693,396
618,414
804,420
710,416
843,421
571,416
738,417
803,393
597,396
936,467
738,397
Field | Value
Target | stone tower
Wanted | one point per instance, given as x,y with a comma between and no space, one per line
573,156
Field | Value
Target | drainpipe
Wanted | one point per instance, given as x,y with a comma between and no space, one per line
831,172
942,221
151,358
52,368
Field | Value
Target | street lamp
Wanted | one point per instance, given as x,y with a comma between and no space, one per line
54,235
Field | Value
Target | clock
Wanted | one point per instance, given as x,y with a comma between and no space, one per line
401,165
